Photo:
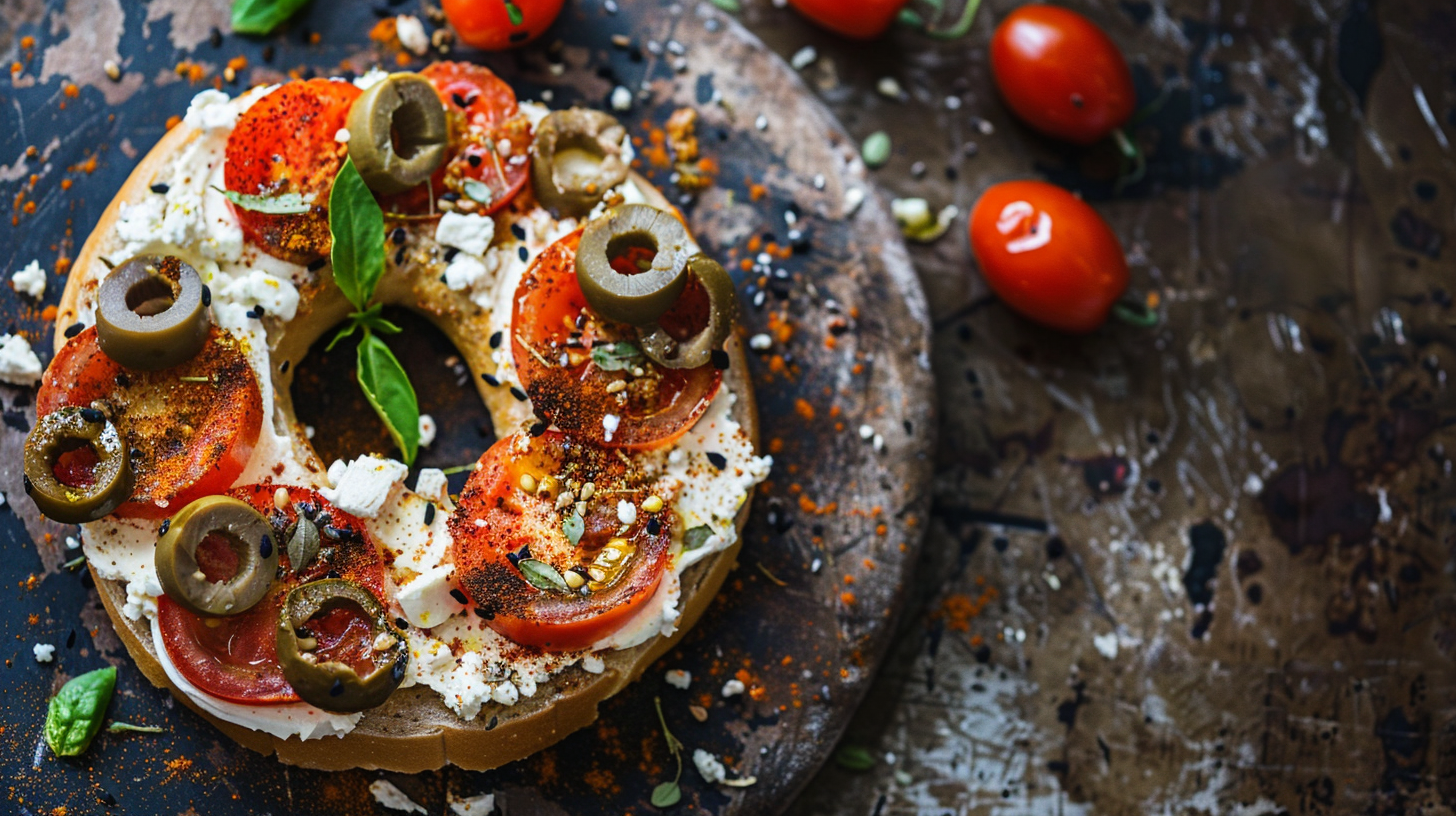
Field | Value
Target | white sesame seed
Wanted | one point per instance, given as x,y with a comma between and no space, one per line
733,687
280,498
819,181
764,258
866,432
952,103
887,86
816,565
879,443
761,122
804,57
621,98
113,71
760,342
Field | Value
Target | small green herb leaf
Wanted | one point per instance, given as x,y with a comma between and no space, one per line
303,545
120,727
574,527
618,356
283,204
388,389
262,16
76,712
356,224
478,191
876,149
74,562
349,328
854,758
730,6
372,318
513,11
666,795
541,575
696,537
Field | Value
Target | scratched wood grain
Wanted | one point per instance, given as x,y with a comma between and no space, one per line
841,508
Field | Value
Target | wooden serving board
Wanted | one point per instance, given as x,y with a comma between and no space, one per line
844,392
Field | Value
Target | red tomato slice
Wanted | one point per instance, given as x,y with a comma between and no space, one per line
235,658
497,524
654,410
285,143
490,141
489,26
189,438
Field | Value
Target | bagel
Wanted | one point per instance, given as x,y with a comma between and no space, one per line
414,730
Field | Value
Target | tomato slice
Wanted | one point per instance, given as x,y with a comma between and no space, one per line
235,658
285,143
490,141
497,524
191,428
554,332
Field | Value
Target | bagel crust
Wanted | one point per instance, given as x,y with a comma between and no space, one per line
414,730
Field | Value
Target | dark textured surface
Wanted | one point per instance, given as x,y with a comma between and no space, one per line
836,506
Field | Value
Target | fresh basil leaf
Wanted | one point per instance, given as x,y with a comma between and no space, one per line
574,527
542,575
388,389
262,16
666,795
121,727
373,319
75,713
696,537
283,204
854,758
479,191
513,12
303,545
356,224
349,328
618,356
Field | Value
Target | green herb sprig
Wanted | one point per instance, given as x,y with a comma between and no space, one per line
262,16
356,224
75,713
668,793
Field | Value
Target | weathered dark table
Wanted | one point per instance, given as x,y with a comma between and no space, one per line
1202,569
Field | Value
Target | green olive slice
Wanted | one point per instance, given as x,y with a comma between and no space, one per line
328,684
633,231
150,313
397,133
65,431
722,312
243,530
576,159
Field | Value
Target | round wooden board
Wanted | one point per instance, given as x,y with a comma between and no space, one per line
844,393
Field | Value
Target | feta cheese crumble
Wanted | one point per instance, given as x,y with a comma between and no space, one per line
678,678
412,34
278,297
708,765
621,98
733,688
18,364
30,281
466,232
432,484
478,805
44,652
387,795
364,485
427,430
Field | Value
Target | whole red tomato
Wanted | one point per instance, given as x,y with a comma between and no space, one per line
1061,74
495,25
860,19
1047,254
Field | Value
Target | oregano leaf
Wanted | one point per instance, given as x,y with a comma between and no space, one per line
618,356
696,537
541,575
666,795
281,204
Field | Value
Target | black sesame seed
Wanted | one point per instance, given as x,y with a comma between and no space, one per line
25,483
106,797
135,453
92,414
166,525
460,101
458,596
74,329
474,159
401,623
522,253
397,673
494,721
214,38
721,360
398,235
316,264
495,340
71,639
484,614
513,558
337,688
538,428
206,296
653,526
490,380
449,195
450,253
399,257
283,369
123,381
160,189
265,547
518,231
429,513
518,394
718,460
519,36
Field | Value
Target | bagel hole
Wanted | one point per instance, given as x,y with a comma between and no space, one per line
219,555
150,296
632,253
326,396
75,463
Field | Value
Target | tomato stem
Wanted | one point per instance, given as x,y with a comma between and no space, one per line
911,17
1131,154
1135,314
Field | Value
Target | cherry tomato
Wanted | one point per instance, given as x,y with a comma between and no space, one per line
488,24
1047,254
235,658
490,141
860,19
1061,74
499,523
555,334
285,143
189,438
